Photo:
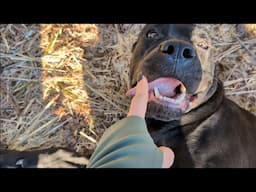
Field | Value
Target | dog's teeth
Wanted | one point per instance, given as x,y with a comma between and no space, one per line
156,91
169,99
183,89
180,98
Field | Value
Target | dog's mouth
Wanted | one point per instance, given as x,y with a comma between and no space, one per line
168,92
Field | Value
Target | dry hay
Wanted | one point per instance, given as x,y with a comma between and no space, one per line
63,85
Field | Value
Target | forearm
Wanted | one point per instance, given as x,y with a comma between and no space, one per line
127,144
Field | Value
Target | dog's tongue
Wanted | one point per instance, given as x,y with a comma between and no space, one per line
166,86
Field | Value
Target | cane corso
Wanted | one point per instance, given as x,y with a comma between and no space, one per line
187,108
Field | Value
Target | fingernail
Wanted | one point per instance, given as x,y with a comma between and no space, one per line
143,77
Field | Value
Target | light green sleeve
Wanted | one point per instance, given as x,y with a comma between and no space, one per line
127,144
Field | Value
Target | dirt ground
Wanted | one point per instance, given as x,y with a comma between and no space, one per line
64,85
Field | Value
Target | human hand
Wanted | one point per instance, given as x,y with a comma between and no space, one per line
138,107
139,102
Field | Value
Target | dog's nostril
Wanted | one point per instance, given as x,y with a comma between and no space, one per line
188,53
168,49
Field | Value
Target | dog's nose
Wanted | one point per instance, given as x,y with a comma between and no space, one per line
178,48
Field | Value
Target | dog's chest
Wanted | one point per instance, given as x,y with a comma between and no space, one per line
191,144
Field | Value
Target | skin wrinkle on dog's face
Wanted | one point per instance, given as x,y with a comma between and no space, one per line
197,76
208,84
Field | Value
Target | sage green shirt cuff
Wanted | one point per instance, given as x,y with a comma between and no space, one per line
127,144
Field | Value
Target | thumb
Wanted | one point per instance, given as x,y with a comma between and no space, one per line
139,102
168,157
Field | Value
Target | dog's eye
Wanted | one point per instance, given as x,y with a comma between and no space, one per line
203,45
152,34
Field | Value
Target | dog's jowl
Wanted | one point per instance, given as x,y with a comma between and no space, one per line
187,108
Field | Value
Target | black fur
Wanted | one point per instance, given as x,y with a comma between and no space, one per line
218,133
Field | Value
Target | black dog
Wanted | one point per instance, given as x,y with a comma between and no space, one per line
187,109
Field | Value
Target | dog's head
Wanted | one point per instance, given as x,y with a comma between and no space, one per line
176,60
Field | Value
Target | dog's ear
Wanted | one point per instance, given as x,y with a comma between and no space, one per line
134,45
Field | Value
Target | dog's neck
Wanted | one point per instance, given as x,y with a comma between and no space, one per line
208,107
194,117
